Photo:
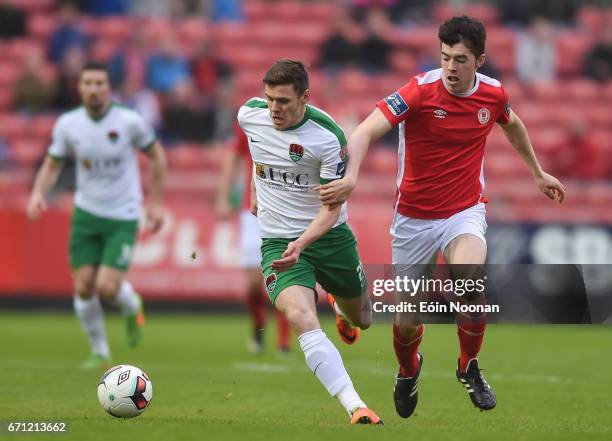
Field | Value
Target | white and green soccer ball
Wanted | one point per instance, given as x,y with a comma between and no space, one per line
125,391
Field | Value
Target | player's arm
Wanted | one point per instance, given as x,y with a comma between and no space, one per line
45,178
373,128
321,224
229,168
154,210
516,133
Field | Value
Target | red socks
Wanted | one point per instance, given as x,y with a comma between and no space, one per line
256,306
470,340
407,348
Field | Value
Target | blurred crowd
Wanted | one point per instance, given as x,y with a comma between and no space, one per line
189,97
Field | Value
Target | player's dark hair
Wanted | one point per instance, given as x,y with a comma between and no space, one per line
287,71
95,65
466,30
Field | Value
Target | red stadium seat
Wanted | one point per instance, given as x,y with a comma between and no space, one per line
114,28
6,100
193,30
572,47
13,125
41,25
592,19
9,73
27,152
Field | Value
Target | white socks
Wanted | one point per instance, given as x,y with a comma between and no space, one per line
90,314
127,300
325,362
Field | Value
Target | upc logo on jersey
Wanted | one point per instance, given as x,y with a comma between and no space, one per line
271,282
396,104
296,152
484,115
281,176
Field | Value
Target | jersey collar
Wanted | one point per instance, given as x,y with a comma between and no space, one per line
302,122
101,117
464,94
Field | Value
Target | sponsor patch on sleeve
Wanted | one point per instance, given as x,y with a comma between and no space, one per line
396,104
508,108
341,168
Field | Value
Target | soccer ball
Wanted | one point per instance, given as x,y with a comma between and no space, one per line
125,391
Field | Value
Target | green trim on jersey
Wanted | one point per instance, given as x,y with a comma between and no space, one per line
306,117
101,117
56,158
328,123
147,147
256,103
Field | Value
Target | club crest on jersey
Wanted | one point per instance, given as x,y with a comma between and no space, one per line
271,282
484,115
113,136
296,152
396,104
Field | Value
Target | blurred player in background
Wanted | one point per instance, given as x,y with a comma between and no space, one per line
237,157
295,147
444,117
104,139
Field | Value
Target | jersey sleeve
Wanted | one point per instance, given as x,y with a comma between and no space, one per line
59,148
143,134
504,111
333,160
401,104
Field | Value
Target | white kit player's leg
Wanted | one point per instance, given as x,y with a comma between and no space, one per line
127,300
91,315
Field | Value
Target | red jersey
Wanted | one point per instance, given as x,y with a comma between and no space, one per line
441,142
240,145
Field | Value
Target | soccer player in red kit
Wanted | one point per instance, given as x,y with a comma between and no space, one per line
444,117
257,301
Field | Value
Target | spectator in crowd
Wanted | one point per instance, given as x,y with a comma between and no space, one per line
226,10
148,8
134,94
411,12
6,158
33,91
578,157
68,34
186,117
166,68
520,12
375,50
107,7
598,62
12,21
536,53
132,58
67,86
208,70
340,49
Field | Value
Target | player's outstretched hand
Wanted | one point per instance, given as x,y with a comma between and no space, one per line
335,192
36,205
290,258
155,218
551,187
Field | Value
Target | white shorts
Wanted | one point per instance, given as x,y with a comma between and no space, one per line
250,240
416,241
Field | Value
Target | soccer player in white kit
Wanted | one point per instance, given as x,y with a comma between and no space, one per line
295,147
444,117
104,139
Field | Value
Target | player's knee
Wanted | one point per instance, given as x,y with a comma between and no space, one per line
84,288
301,319
107,289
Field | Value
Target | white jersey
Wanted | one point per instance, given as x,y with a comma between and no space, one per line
105,153
288,164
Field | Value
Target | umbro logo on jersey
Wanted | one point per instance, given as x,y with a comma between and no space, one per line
439,113
252,140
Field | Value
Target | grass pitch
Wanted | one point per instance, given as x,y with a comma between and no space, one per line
552,383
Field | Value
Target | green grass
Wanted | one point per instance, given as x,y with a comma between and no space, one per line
552,383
